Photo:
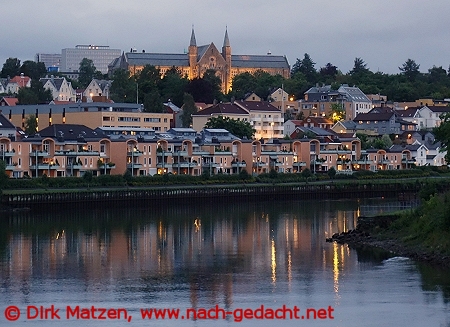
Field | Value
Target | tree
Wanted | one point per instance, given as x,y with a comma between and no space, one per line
123,87
359,66
306,67
239,128
11,68
216,84
87,72
331,172
442,134
31,125
242,84
328,71
337,112
189,108
173,86
410,69
153,102
36,94
201,90
34,70
3,176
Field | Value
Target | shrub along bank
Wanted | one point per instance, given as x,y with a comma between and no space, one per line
243,177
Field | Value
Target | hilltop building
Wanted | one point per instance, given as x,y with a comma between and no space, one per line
199,59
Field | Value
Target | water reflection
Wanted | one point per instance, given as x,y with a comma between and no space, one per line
188,255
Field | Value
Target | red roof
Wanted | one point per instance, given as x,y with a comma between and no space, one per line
10,101
20,80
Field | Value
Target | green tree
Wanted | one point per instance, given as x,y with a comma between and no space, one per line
34,70
87,72
306,67
410,69
216,84
26,96
36,94
123,87
337,112
11,68
242,84
153,102
239,128
3,176
359,66
189,108
173,85
331,172
442,134
30,125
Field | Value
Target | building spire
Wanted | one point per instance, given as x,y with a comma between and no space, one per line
193,41
226,40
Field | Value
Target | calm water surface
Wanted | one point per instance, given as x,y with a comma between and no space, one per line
198,256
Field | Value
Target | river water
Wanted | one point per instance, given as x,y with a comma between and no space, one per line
216,260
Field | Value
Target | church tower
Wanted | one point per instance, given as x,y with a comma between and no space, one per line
226,53
193,52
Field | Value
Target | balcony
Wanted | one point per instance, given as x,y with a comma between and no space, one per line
75,166
10,166
384,162
77,153
135,153
259,164
181,154
238,164
38,153
108,166
184,164
299,164
7,154
362,162
134,165
45,166
408,161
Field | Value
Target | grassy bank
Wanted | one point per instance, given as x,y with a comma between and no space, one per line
426,229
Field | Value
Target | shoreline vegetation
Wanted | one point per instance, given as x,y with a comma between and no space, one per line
422,234
127,180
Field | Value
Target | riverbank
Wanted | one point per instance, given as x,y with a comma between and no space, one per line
162,195
422,234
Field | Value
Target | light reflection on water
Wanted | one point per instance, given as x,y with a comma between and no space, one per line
234,256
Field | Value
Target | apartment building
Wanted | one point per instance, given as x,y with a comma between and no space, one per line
91,114
263,117
100,55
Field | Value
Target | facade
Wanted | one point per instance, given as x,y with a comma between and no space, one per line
100,55
199,59
52,61
61,89
91,114
17,82
263,117
356,101
97,88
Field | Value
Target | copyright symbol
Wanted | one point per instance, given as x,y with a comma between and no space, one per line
12,313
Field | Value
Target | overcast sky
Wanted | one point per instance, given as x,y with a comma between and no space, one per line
384,33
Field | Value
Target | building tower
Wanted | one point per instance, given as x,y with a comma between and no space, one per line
226,54
193,51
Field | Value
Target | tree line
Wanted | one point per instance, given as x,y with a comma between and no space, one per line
152,88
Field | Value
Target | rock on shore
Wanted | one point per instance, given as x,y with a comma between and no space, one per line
365,235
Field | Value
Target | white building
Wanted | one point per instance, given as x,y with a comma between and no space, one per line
356,102
96,88
101,56
61,89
